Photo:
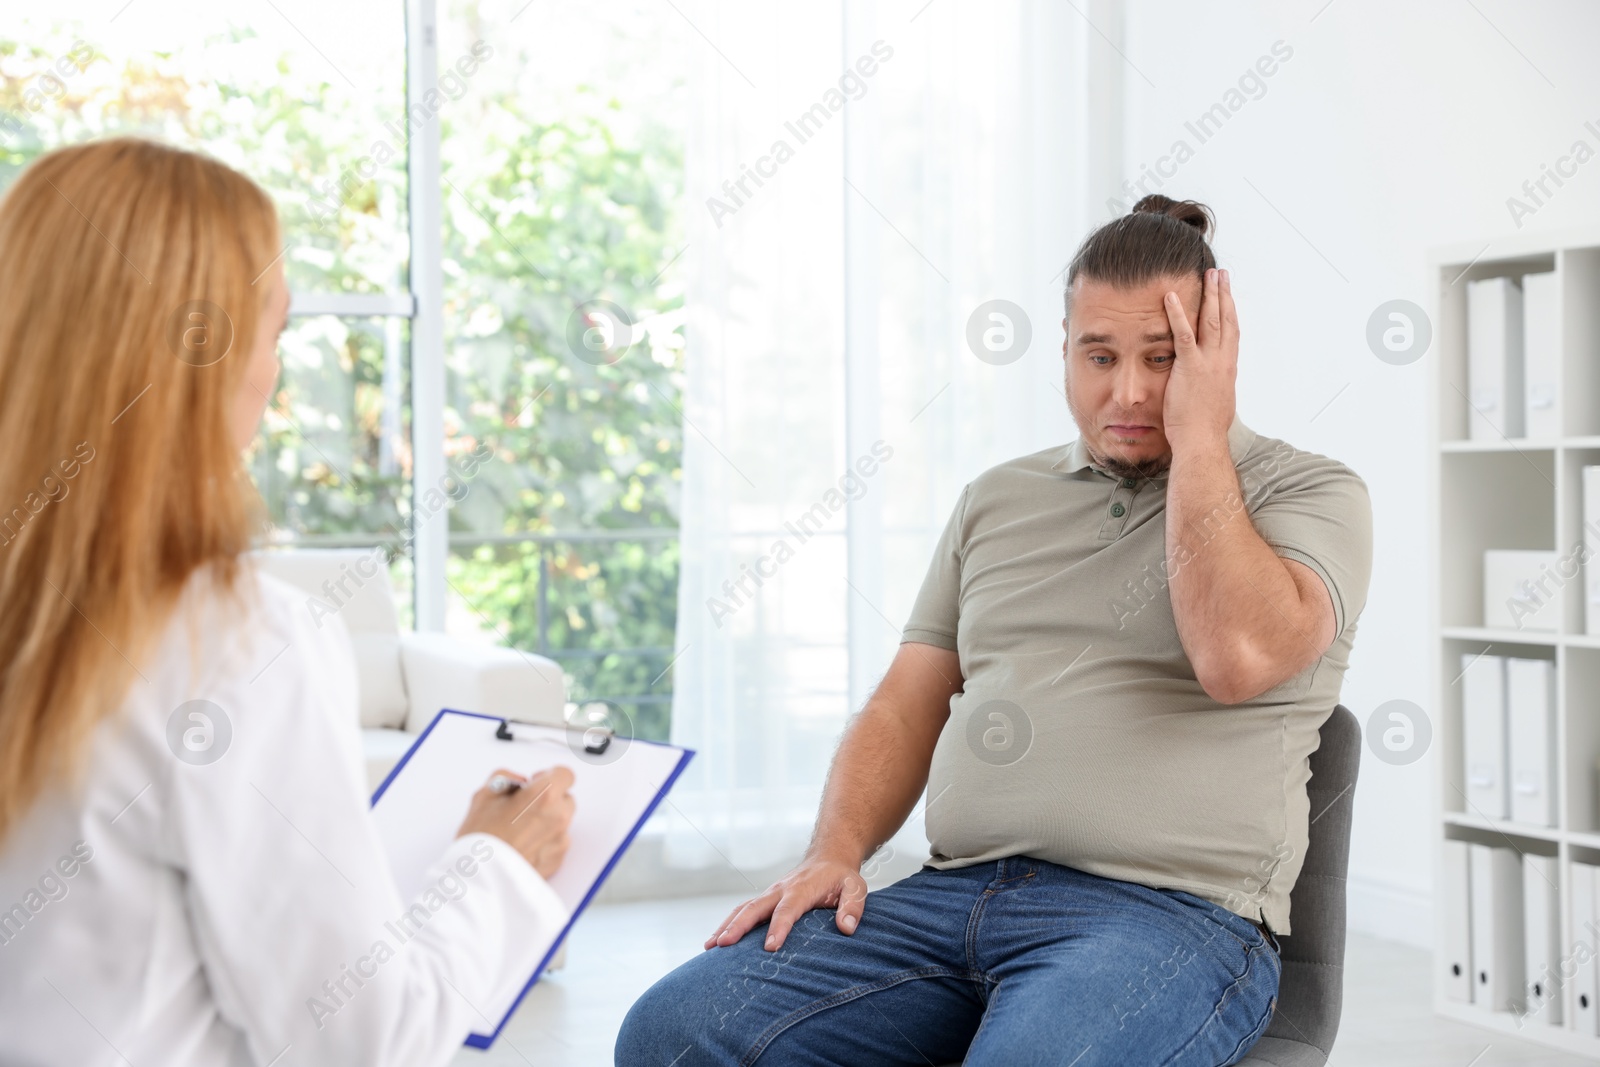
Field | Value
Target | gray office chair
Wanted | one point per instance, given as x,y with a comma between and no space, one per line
1311,989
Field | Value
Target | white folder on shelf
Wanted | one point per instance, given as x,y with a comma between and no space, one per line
1584,949
615,791
1497,960
1591,541
1494,359
1541,941
1483,710
1531,710
1455,956
1523,589
1541,354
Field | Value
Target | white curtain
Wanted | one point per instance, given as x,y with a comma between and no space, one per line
834,407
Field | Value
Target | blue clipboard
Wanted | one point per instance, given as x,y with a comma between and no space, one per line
455,756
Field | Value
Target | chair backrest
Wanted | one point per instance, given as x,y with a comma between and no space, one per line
354,584
1311,990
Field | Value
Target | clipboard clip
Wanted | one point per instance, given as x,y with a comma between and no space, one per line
596,739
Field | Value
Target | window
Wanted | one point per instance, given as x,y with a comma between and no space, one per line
561,188
533,354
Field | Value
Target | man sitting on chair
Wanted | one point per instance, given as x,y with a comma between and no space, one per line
1110,685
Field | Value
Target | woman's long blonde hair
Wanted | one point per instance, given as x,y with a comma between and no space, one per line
123,264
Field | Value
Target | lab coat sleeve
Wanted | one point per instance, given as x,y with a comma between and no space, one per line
307,945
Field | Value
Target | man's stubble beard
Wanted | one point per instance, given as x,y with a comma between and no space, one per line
1147,468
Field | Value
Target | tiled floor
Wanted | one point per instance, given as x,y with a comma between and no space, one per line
571,1018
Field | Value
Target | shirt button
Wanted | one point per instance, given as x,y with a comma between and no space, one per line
1128,483
1118,510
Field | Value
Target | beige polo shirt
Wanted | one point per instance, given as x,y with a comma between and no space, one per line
1082,736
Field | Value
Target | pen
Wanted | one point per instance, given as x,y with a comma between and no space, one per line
502,784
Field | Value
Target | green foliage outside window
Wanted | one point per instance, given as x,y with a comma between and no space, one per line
565,540
543,220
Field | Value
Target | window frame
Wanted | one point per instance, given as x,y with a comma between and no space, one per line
423,305
424,223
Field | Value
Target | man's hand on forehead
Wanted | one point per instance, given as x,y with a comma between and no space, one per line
1200,400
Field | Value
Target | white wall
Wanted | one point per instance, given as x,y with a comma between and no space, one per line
1393,127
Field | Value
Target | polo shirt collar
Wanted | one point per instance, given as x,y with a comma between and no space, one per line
1240,438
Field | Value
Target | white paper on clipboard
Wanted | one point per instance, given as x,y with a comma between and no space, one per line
419,807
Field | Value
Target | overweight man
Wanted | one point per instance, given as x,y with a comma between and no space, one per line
1108,690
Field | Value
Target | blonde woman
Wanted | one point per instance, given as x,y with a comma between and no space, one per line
166,896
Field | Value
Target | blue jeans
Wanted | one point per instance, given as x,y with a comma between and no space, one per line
1004,964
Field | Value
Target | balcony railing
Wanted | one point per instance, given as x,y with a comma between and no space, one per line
547,542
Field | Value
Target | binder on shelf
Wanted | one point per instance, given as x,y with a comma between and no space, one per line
1497,959
1530,714
1591,544
1541,354
1494,359
1455,957
1593,797
1483,711
1584,949
1523,590
1541,941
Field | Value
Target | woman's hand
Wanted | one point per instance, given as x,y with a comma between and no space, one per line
532,819
1198,406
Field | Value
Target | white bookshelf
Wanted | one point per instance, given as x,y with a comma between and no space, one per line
1516,494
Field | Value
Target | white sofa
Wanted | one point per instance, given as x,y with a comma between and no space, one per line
405,678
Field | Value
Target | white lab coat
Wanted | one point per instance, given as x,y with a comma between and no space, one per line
242,911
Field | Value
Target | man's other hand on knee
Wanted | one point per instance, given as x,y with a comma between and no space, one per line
818,882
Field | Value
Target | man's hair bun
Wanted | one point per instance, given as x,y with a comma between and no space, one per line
1160,238
1190,212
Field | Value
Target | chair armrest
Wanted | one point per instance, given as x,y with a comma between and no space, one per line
442,672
